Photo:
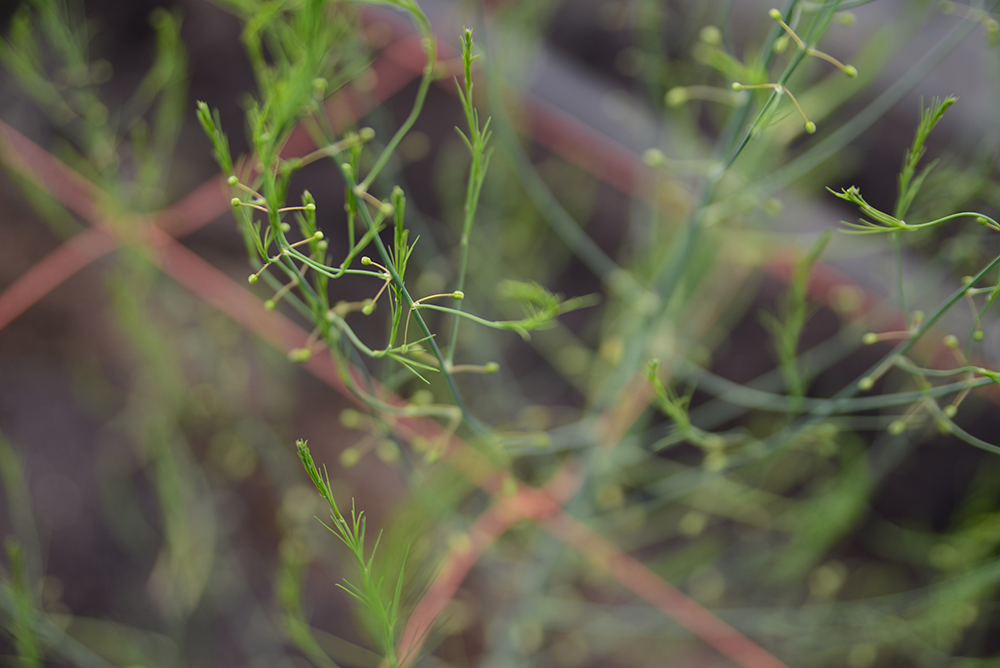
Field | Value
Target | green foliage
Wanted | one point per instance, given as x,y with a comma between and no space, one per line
909,185
788,329
762,523
351,532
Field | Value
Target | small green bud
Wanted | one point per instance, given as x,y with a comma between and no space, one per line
675,97
810,127
950,341
869,338
387,450
654,158
851,71
310,207
235,202
318,235
320,84
950,410
232,180
366,134
917,317
252,279
322,245
349,457
386,209
458,295
897,427
773,206
422,397
737,85
711,35
269,305
365,260
346,166
978,336
299,355
774,14
368,307
350,418
966,279
866,383
780,44
285,227
491,367
845,18
982,220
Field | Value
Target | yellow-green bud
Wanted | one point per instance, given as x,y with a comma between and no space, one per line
269,305
773,206
366,134
950,341
350,418
654,158
349,457
235,202
869,338
897,427
950,410
711,35
317,235
491,367
232,180
458,295
851,71
252,279
675,97
737,85
866,383
774,14
810,127
285,227
365,260
299,355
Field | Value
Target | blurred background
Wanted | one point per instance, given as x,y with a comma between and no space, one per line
155,508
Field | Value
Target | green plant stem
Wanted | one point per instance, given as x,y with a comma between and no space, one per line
897,249
430,48
493,324
467,417
852,129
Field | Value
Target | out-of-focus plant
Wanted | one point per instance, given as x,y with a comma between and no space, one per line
753,497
